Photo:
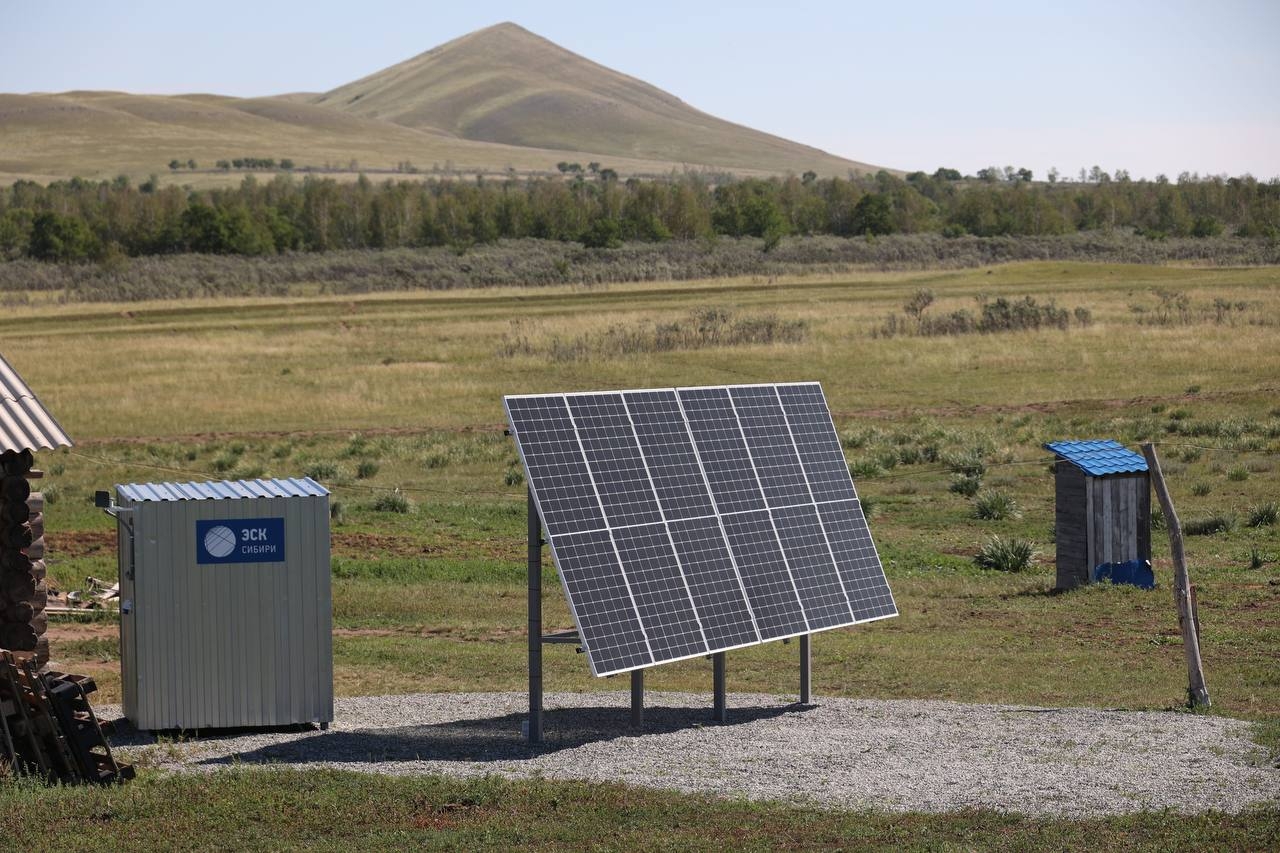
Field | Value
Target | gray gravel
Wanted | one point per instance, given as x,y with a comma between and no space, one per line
845,753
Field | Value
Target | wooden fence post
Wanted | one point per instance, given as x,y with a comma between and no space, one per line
1182,595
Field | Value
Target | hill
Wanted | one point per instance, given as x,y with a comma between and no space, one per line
498,100
505,84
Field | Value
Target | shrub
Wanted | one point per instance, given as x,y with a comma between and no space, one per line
1263,515
224,463
337,512
969,463
864,468
1255,558
514,476
966,485
870,505
996,505
1158,521
1219,522
393,502
366,469
1006,555
322,471
1238,474
51,492
1201,489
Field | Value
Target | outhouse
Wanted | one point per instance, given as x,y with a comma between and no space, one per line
1102,508
225,603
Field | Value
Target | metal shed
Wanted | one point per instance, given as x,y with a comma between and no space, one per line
226,610
1103,507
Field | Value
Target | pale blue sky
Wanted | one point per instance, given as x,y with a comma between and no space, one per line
1147,86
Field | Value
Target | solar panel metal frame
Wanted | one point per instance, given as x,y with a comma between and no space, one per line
668,524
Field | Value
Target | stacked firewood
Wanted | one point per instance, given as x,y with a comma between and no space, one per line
23,593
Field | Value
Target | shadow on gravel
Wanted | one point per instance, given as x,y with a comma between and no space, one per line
489,738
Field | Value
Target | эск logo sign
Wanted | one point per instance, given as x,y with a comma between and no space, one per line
240,540
220,541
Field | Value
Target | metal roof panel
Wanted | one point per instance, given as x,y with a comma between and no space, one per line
25,424
221,490
1099,457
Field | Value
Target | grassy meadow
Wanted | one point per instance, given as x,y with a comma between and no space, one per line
394,401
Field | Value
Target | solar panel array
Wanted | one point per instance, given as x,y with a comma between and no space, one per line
696,520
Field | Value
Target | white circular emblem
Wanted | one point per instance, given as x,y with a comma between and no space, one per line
220,541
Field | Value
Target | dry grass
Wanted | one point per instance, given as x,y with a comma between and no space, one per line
431,359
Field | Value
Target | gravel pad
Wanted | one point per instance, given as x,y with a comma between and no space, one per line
846,753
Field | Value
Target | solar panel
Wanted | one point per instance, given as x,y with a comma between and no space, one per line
695,520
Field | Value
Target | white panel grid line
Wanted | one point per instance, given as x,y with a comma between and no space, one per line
772,525
616,554
666,528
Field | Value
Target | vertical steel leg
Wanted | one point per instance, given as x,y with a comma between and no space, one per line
637,698
535,623
806,671
718,710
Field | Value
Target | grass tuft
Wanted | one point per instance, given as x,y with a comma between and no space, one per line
996,505
1006,555
1263,514
393,502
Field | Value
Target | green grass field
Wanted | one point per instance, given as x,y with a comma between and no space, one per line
376,393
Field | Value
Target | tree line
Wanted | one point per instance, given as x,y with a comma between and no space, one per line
79,220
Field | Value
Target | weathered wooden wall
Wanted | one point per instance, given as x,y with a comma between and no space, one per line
1099,520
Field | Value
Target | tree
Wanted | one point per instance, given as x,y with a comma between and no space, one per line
175,164
1053,175
59,238
809,177
873,215
1025,174
945,174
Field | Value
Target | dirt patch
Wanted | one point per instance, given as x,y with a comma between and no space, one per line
80,543
466,635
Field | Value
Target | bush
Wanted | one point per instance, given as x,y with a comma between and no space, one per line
337,512
322,471
864,468
1263,515
1201,489
996,505
1217,523
393,502
968,464
1006,555
366,469
1238,474
966,485
514,476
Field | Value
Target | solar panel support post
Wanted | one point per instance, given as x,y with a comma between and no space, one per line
637,698
806,671
535,622
719,712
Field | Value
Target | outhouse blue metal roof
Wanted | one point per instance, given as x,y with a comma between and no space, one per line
1099,457
224,490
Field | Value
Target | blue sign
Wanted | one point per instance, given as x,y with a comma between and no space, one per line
240,540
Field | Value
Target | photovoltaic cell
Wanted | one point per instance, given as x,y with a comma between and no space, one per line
713,583
553,459
815,437
666,445
597,592
857,560
694,520
813,568
768,438
613,454
718,439
770,591
658,587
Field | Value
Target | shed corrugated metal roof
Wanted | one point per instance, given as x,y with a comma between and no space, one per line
25,424
1099,457
223,490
